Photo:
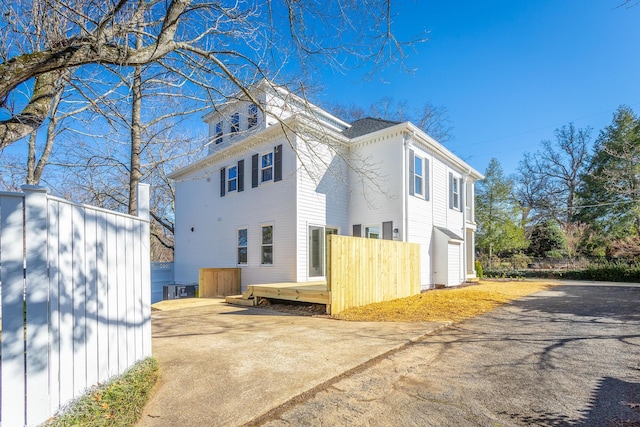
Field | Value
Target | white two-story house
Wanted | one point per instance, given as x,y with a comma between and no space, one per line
282,174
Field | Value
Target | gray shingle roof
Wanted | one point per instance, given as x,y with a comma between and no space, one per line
367,125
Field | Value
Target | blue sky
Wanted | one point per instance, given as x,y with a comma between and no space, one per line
509,72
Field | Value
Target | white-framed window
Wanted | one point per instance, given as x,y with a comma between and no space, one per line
266,245
266,167
372,231
218,137
243,248
252,116
454,192
235,122
418,176
232,178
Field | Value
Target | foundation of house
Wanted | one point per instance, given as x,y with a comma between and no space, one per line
313,292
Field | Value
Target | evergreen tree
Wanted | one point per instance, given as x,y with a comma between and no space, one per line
610,191
547,239
496,213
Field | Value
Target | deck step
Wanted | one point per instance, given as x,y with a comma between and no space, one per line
240,300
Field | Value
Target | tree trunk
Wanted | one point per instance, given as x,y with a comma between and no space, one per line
135,174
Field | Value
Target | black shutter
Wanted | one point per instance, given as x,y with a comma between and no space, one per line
277,163
357,230
387,230
254,171
241,175
223,172
412,180
426,179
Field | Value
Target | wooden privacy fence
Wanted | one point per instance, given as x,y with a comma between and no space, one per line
218,282
83,275
363,271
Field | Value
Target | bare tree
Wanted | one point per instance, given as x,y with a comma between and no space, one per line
205,42
431,118
554,173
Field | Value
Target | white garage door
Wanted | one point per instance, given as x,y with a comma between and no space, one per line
454,264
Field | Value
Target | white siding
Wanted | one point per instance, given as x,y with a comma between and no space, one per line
215,220
323,196
440,187
420,214
377,183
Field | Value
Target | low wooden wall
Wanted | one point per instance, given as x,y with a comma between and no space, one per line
362,271
218,282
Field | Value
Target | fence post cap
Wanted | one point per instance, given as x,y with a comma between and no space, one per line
34,188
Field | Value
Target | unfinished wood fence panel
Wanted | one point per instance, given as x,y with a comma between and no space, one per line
218,282
363,271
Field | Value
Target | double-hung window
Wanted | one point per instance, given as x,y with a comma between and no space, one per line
232,178
455,201
242,246
235,123
252,116
266,246
418,175
266,167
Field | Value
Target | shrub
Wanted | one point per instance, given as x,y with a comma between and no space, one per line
546,237
605,272
556,254
479,269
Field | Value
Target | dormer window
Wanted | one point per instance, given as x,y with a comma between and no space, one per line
235,123
218,137
252,116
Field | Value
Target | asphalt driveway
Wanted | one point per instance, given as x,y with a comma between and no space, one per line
569,356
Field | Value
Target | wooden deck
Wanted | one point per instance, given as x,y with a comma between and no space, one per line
313,292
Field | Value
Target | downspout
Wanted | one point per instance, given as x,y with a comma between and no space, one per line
405,205
463,203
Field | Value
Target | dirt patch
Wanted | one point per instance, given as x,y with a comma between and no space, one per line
293,307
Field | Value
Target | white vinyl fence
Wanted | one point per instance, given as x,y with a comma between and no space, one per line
83,275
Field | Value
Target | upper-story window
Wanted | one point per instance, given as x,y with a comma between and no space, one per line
418,175
252,116
235,123
266,167
232,178
455,200
218,137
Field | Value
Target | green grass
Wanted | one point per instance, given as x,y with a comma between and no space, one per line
116,403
